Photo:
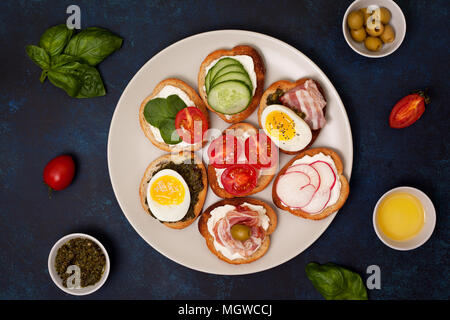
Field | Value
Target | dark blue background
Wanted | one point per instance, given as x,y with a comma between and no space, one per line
39,121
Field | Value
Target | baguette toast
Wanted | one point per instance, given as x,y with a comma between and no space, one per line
209,238
259,70
263,180
184,157
328,210
286,86
193,96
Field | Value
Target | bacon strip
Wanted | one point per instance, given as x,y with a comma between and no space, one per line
307,98
240,215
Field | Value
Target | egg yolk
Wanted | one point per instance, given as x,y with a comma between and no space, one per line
167,190
280,126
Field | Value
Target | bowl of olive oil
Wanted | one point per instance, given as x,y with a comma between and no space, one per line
404,218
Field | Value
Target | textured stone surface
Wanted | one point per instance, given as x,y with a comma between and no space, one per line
39,121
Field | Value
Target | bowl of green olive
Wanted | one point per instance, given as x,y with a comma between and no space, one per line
374,28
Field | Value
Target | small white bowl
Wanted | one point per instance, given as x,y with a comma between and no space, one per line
57,279
397,22
427,229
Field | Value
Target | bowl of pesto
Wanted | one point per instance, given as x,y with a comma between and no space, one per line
78,264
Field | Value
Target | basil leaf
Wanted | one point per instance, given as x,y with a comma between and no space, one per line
70,83
38,56
92,83
175,104
156,111
54,39
62,59
78,80
93,45
335,282
168,132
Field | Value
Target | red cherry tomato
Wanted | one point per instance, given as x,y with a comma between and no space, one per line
408,110
224,151
191,124
260,151
59,172
239,179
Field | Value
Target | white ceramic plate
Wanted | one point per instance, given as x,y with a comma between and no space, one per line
130,152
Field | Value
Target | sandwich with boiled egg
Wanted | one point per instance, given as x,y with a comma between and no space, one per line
292,114
238,230
231,82
241,161
173,189
173,117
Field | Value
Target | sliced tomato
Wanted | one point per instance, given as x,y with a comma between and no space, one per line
408,110
261,151
224,151
239,179
191,124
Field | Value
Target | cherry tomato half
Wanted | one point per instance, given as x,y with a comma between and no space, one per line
191,124
59,172
239,179
408,110
261,151
224,151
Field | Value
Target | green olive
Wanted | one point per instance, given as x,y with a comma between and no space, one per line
373,43
388,35
241,232
375,29
366,14
355,19
358,35
385,15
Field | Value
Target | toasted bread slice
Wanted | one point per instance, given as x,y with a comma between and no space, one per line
146,127
345,188
203,228
259,69
286,86
183,157
264,178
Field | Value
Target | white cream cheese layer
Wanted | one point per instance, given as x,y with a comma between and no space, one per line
336,190
247,63
164,93
220,212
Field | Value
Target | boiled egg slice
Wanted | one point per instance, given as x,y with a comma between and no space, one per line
168,196
286,129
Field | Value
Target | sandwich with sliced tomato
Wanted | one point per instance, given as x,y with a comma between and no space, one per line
241,161
293,113
174,118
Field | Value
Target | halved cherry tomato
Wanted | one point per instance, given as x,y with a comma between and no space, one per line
224,151
239,179
260,151
191,124
408,110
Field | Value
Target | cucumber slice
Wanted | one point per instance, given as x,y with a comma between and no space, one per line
229,97
233,76
227,69
219,65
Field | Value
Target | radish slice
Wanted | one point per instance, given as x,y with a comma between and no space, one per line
327,175
294,189
310,171
318,202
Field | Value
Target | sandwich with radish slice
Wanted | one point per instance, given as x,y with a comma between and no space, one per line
311,185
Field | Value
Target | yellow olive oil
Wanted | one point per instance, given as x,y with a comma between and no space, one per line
400,216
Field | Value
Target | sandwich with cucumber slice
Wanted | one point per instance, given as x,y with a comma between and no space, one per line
231,82
174,118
